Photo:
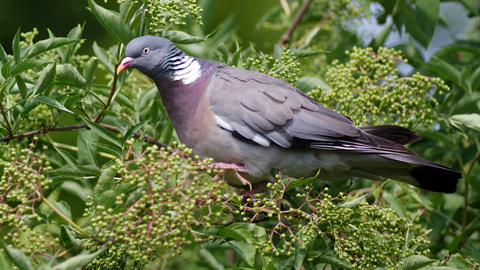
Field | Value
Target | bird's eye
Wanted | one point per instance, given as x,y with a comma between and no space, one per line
146,50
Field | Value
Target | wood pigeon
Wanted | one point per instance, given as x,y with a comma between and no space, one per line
252,125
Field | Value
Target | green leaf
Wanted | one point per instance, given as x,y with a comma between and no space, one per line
78,261
469,120
16,47
208,259
67,157
22,87
89,70
85,136
416,262
3,55
353,203
104,133
444,68
71,101
213,33
45,80
76,242
299,182
475,80
119,97
180,37
75,33
307,83
237,234
5,262
64,208
112,22
26,65
395,203
245,250
52,103
307,53
105,182
434,136
332,260
112,150
68,74
91,156
425,14
102,55
299,256
49,44
18,258
222,49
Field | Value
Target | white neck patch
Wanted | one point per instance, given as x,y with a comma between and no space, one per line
187,69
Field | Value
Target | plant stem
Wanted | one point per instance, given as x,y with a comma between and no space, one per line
69,221
296,20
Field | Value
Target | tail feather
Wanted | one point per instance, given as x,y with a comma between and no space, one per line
397,134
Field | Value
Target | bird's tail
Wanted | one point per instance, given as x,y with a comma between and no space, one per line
414,171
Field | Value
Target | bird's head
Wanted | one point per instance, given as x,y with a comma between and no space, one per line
147,54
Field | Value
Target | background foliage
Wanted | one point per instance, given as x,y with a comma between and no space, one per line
93,176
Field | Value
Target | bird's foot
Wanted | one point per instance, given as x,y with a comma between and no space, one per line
237,169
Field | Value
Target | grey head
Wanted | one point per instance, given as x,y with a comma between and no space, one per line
150,55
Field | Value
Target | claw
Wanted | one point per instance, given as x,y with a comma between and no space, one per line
237,169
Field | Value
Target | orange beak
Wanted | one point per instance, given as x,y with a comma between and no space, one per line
126,62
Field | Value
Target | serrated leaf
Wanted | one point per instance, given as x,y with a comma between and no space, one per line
68,74
67,157
26,65
103,57
52,103
112,22
49,44
45,80
180,37
299,256
78,261
18,258
395,204
353,203
105,182
245,250
104,133
72,100
416,262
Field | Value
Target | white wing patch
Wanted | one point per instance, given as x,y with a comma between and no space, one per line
258,138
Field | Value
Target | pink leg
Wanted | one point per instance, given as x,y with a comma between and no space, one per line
237,169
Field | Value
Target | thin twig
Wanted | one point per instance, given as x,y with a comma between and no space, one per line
296,20
44,130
